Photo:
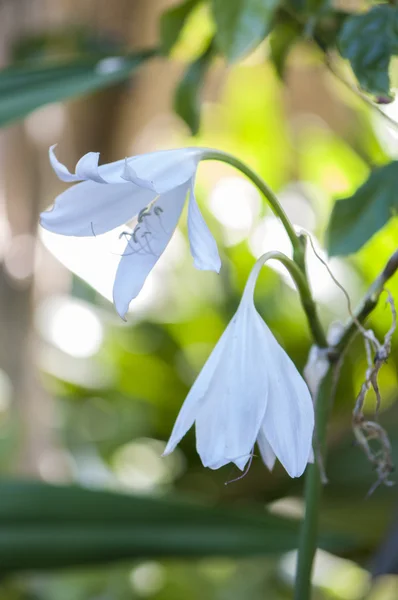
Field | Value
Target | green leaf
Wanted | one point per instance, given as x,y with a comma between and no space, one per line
172,22
187,95
25,88
369,41
327,28
354,220
44,526
242,25
282,40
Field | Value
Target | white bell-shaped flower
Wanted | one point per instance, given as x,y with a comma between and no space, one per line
151,188
249,391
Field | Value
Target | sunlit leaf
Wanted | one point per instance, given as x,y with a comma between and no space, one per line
242,25
171,23
44,526
356,219
369,41
24,88
187,96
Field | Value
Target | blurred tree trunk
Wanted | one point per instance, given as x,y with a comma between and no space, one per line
19,208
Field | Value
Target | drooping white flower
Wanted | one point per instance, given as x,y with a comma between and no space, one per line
249,391
151,188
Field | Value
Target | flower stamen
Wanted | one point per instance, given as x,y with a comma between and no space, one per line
158,210
145,212
249,464
145,235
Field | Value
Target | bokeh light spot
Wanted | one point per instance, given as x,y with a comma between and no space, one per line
70,325
148,578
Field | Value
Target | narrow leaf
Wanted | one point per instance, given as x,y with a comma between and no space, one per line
25,88
44,526
187,95
172,22
369,41
242,25
356,219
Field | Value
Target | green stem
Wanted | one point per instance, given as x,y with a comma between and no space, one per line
367,305
298,247
300,279
313,489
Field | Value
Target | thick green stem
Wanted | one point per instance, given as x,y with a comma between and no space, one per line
313,489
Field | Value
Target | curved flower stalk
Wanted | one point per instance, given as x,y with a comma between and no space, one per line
249,391
150,188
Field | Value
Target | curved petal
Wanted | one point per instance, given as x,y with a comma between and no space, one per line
196,395
229,421
267,454
165,169
159,171
146,245
130,175
61,171
203,245
87,168
90,208
289,418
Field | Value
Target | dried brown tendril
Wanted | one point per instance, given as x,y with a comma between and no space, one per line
369,434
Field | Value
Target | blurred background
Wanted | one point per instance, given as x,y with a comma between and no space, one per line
88,399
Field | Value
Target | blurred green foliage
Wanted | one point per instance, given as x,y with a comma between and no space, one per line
26,87
47,527
241,25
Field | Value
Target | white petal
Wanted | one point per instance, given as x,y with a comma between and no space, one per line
144,250
94,259
196,395
87,168
289,418
267,454
203,245
166,169
130,175
90,208
316,368
161,171
60,169
229,421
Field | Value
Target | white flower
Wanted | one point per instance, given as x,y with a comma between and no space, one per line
249,391
151,187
